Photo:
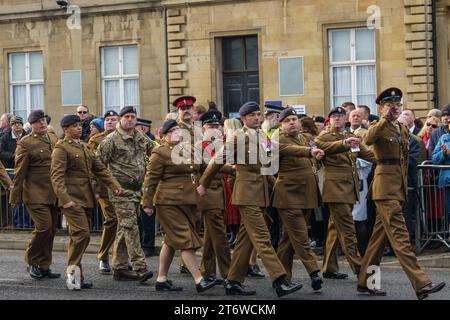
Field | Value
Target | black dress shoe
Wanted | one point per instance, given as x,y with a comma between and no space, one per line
431,288
372,292
255,272
217,281
35,272
235,288
166,286
316,282
284,287
86,285
104,267
204,285
335,275
49,274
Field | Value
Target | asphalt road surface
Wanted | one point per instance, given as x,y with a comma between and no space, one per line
16,284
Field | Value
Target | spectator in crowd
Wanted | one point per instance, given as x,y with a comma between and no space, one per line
9,140
4,123
356,117
8,144
144,126
327,124
199,110
349,107
434,113
86,118
409,118
437,134
319,121
413,161
440,156
96,126
431,125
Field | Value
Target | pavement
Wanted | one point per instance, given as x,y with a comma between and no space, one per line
16,284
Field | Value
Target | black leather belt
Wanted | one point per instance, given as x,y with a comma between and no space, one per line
394,162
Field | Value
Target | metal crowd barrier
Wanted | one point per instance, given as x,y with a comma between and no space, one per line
19,218
433,210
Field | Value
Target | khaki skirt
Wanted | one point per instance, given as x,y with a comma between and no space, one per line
178,224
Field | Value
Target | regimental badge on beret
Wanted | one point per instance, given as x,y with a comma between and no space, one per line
289,111
211,117
338,110
110,113
389,95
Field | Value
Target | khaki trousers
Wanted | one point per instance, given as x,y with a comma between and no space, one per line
295,240
39,251
215,244
390,225
109,228
341,227
78,219
253,232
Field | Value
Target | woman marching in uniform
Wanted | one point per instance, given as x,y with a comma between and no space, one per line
172,188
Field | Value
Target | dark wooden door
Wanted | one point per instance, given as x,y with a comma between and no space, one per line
240,72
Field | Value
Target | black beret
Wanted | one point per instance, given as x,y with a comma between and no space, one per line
338,110
169,124
126,110
35,115
289,111
248,108
184,101
110,113
269,108
144,122
319,119
389,95
213,116
69,120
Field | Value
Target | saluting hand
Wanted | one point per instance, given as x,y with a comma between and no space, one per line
148,211
201,190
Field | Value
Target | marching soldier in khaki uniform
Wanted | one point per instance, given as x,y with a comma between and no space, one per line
390,142
72,168
110,219
170,184
250,194
125,151
31,185
185,109
213,206
341,189
296,190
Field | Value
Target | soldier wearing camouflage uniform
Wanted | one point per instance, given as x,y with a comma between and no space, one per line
125,152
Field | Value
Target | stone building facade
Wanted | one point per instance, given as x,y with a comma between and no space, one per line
308,53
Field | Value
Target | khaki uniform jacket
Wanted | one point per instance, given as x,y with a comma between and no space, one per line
390,181
341,181
5,180
167,183
297,183
250,187
216,193
32,170
73,168
93,143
